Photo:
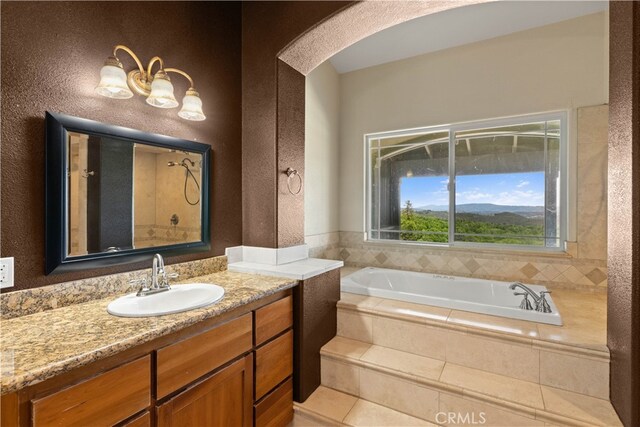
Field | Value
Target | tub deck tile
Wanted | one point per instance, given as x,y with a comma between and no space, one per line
584,316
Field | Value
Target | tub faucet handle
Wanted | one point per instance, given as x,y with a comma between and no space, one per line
525,304
543,305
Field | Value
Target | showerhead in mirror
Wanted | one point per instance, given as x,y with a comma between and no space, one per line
185,164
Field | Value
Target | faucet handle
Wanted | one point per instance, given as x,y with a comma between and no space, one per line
140,281
542,304
525,304
164,283
143,282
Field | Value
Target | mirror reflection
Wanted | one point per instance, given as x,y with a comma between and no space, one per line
128,195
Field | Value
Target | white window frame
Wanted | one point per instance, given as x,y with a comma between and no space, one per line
453,128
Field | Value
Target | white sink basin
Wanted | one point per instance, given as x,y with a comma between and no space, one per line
178,299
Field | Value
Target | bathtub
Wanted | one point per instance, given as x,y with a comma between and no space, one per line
459,293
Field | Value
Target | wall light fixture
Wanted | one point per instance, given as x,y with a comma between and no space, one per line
115,83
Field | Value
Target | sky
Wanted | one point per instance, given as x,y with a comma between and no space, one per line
515,189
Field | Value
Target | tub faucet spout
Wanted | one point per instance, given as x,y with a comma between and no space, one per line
515,285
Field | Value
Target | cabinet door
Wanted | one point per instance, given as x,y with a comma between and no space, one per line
223,399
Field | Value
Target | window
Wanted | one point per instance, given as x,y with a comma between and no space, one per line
495,182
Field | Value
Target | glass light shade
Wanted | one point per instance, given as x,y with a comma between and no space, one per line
113,83
192,107
161,95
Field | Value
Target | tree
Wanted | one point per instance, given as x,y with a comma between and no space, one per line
408,209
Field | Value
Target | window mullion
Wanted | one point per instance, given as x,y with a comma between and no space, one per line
452,185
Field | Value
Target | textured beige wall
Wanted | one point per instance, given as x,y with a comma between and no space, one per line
559,66
322,109
591,219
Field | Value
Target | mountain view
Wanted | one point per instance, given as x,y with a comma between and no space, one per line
487,209
475,222
490,208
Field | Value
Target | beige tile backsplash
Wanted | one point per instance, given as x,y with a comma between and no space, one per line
583,266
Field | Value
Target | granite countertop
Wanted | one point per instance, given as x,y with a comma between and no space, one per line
40,346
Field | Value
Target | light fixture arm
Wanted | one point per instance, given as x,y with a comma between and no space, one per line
130,52
153,61
177,71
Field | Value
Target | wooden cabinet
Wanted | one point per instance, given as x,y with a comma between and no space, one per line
203,376
221,400
274,364
181,363
106,399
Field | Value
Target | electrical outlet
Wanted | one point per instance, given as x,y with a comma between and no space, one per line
6,272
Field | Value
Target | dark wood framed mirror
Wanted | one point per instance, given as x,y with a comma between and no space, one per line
116,195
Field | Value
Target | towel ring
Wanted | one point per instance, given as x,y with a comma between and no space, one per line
291,172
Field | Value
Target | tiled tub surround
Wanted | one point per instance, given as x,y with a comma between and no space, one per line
553,270
159,235
585,317
29,301
459,293
396,354
45,344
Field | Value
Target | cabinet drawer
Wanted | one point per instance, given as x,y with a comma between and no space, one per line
143,420
274,363
103,400
273,319
276,409
183,362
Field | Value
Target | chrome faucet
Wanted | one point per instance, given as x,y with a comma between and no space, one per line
540,301
159,278
527,290
157,268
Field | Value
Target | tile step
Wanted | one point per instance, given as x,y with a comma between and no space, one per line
421,387
328,407
397,326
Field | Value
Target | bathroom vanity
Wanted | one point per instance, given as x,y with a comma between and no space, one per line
227,365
